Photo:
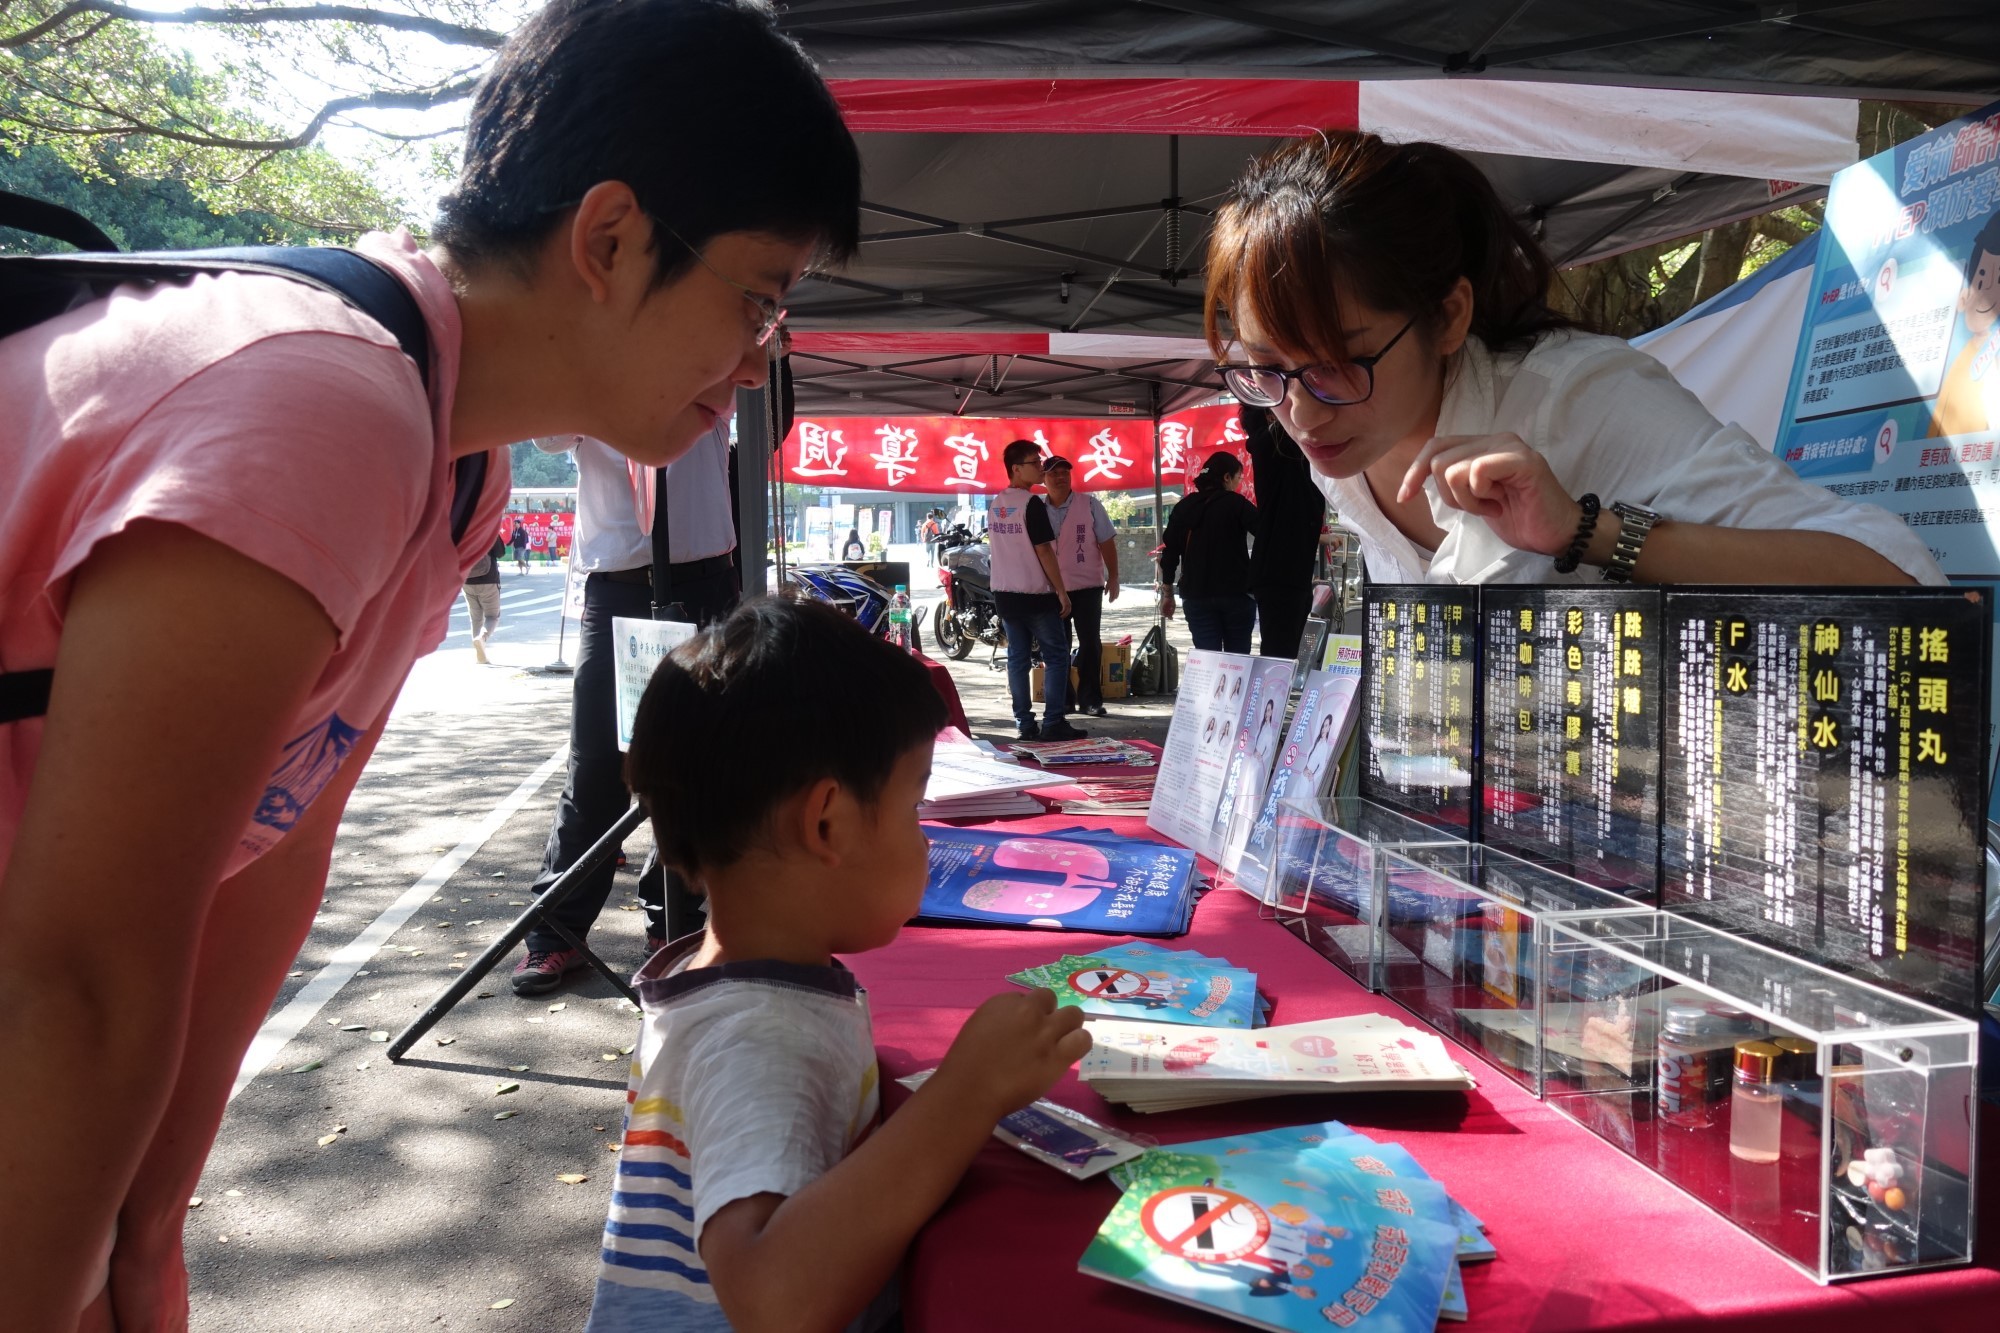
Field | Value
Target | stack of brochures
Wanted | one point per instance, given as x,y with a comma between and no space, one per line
1064,879
1291,1229
1170,1067
1140,980
1119,795
972,780
1098,750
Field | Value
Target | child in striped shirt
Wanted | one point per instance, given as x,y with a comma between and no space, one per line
783,754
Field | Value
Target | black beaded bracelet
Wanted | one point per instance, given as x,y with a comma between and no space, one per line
1585,526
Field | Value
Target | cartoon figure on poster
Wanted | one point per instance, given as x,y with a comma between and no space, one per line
1968,400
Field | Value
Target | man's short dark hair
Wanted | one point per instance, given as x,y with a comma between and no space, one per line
717,121
1987,242
1019,452
781,694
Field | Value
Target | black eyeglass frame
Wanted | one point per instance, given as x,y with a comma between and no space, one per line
1285,377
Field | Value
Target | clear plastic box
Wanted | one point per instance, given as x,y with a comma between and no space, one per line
1328,873
1832,1120
1461,936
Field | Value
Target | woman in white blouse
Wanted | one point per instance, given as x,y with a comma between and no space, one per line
1383,302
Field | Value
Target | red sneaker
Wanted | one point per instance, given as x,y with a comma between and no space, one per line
543,970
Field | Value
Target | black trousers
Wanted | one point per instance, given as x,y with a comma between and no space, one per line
1086,624
1282,612
594,795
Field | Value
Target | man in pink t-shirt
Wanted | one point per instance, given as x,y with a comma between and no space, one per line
246,477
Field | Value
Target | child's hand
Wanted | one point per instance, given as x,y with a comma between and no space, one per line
1011,1051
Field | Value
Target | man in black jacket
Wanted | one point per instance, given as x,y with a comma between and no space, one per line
1291,512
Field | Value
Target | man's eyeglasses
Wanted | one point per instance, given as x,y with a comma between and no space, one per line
769,313
1340,385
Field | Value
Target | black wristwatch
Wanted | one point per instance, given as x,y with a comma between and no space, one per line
1634,524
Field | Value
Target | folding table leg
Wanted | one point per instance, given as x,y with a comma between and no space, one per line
566,884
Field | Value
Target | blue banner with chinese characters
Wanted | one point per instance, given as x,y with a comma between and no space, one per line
1895,391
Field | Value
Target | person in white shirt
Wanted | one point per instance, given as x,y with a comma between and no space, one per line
1086,551
615,505
1381,300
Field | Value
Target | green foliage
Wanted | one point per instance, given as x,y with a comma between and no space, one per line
532,467
113,104
138,213
1119,506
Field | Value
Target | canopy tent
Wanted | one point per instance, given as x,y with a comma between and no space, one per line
1081,206
1898,49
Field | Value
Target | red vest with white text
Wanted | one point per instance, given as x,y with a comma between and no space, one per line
1082,564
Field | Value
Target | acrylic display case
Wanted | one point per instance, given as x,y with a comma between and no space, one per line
1329,871
1461,936
1830,1119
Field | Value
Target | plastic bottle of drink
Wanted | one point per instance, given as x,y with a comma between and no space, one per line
899,616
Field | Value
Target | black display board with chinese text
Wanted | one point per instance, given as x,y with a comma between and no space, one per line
1571,754
1824,778
1420,670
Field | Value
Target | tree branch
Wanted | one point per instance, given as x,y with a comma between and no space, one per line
204,138
1780,228
455,34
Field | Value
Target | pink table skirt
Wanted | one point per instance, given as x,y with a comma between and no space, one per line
1588,1239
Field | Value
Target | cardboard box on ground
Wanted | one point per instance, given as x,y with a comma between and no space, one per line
1114,673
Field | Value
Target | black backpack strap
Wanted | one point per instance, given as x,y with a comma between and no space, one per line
39,287
24,694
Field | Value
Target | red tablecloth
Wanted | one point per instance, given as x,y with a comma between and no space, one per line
1588,1239
947,689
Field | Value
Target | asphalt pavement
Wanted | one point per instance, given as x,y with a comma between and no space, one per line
466,1186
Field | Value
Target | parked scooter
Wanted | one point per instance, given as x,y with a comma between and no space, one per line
968,614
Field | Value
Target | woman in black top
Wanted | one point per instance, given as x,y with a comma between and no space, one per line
1210,531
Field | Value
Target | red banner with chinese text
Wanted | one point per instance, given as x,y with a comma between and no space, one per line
945,455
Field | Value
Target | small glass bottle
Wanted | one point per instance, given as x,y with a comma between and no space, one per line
1756,1113
1686,1037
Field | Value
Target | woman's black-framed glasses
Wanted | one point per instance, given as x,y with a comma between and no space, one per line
769,313
1336,385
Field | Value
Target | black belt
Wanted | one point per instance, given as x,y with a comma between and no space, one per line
681,569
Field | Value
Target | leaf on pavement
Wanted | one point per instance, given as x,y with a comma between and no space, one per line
355,1027
505,1088
502,1303
308,1066
518,1069
195,1202
558,1006
446,1041
378,1035
325,1139
505,1115
572,1177
608,1055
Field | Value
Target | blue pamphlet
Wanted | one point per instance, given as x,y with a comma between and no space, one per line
1070,879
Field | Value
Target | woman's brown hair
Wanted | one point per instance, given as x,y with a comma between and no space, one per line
1398,224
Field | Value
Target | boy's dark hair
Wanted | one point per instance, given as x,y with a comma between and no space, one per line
1019,452
717,121
781,694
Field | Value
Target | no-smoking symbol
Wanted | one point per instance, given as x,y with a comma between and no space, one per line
1108,982
1203,1224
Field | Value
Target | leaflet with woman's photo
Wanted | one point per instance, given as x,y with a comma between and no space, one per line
1321,727
1228,717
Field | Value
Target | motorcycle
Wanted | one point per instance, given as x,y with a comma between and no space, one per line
968,614
856,594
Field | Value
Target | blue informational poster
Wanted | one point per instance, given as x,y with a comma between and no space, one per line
1068,879
1895,391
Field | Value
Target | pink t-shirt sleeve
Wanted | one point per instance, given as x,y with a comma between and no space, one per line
310,453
